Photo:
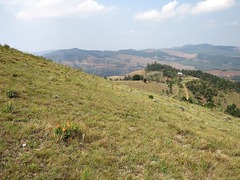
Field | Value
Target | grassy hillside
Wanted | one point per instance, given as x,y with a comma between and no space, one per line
196,86
116,132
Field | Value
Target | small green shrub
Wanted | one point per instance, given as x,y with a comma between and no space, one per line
6,46
209,105
233,110
8,108
137,77
10,93
150,96
190,100
67,132
184,98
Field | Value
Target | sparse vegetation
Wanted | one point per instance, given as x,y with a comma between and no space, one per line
10,93
8,108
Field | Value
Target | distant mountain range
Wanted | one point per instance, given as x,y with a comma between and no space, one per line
203,57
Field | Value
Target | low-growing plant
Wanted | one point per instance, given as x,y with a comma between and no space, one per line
10,93
233,110
150,96
184,98
8,108
144,80
67,132
6,46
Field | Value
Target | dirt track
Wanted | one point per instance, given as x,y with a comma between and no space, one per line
186,91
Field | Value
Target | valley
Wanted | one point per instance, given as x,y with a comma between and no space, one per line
202,57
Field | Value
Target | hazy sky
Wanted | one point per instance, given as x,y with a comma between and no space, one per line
37,25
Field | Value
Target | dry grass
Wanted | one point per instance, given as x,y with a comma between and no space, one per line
128,135
139,72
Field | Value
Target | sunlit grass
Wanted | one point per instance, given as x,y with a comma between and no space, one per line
127,134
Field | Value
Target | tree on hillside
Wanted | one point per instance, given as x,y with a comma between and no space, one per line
233,110
159,67
216,82
170,85
169,73
137,77
202,88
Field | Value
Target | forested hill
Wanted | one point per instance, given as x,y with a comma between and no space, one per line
207,89
216,82
209,49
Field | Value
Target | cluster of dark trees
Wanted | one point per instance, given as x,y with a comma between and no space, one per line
233,110
170,85
6,46
206,79
167,70
216,82
135,77
201,88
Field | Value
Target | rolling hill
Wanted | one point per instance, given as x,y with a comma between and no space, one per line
203,57
193,86
109,63
60,123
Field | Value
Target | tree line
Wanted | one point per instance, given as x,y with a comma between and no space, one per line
214,81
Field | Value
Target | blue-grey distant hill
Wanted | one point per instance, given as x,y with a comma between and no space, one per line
107,63
212,57
209,49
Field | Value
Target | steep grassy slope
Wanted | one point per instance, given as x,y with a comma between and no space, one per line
127,134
